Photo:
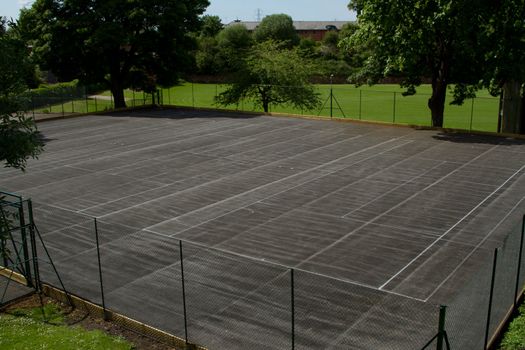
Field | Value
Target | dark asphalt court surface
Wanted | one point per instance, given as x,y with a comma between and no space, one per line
382,224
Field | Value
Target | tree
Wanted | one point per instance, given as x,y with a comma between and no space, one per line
19,137
211,26
504,33
415,39
273,74
277,27
123,43
233,43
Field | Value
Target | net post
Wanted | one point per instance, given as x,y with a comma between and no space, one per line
100,272
292,301
183,292
491,295
520,258
441,327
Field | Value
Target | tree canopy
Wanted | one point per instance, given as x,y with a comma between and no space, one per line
278,27
19,137
414,39
272,74
123,43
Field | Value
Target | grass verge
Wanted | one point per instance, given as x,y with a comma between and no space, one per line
514,338
26,329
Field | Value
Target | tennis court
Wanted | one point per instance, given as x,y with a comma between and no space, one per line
380,224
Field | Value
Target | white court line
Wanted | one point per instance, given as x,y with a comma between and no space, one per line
451,228
223,177
281,180
261,201
475,249
333,244
276,264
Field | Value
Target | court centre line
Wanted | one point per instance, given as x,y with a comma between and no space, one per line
474,249
275,194
318,167
451,228
223,177
395,207
276,264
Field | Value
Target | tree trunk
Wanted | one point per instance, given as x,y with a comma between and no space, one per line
118,94
266,105
511,107
436,102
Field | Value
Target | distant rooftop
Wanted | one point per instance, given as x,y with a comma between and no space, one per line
299,25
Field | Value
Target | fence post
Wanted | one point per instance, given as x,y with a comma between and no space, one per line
183,293
100,271
520,257
471,114
441,327
23,233
192,95
394,117
72,104
133,102
360,102
331,96
491,295
169,95
87,104
292,295
34,252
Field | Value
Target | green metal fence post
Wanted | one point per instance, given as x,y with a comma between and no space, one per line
100,271
96,107
394,116
62,104
183,293
34,252
520,258
25,250
169,95
441,327
331,96
471,114
292,299
133,103
192,95
87,104
360,102
491,295
72,104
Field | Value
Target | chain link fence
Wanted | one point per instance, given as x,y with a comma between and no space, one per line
346,101
223,300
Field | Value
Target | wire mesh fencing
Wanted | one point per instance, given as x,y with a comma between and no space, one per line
347,101
224,300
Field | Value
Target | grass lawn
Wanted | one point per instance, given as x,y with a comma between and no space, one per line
24,329
383,103
514,339
375,103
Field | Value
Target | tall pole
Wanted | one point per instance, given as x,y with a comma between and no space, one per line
331,95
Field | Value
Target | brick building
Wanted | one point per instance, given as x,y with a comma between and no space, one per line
315,30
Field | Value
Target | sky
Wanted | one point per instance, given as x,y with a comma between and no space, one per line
245,10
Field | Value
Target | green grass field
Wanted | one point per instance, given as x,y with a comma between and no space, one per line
383,103
26,330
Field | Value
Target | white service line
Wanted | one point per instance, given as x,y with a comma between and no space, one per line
451,228
475,249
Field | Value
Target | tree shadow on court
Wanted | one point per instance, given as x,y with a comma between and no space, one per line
184,113
476,138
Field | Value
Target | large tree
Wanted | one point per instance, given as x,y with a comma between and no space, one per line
123,43
278,27
272,74
19,137
504,38
414,39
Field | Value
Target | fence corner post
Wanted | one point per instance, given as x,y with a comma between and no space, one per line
520,259
441,327
100,271
491,295
183,293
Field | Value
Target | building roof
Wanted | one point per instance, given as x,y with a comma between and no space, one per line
299,25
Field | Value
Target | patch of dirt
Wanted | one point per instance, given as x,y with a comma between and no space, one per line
83,319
